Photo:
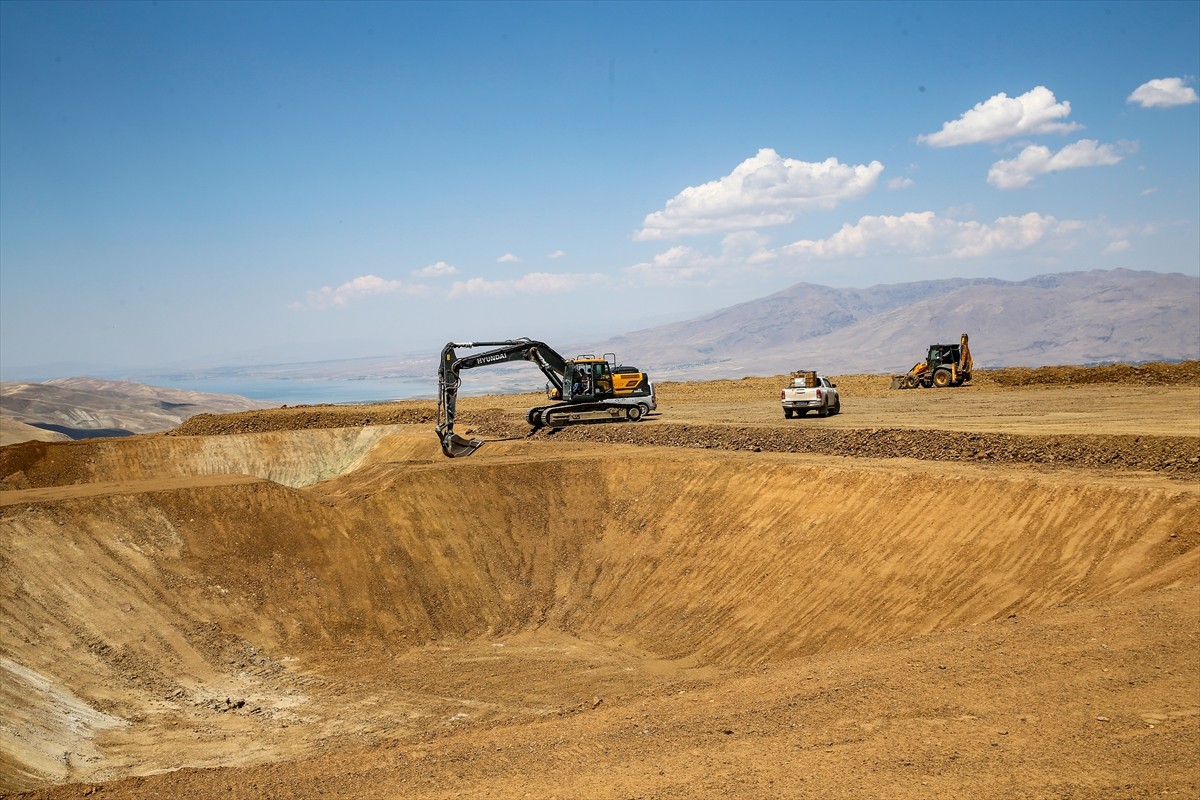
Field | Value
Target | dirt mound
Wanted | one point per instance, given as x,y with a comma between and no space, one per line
1152,374
308,418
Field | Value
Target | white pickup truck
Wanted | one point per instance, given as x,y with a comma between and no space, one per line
810,392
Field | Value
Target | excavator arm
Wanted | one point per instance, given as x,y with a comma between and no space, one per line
551,363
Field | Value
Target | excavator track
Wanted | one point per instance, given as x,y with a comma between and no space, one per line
561,415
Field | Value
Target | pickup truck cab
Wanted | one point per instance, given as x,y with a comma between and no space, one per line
810,392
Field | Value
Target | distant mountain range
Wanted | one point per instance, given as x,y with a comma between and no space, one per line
81,408
1067,318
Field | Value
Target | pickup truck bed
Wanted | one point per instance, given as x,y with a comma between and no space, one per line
810,392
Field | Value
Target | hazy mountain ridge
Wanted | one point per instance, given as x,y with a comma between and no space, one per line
87,407
1066,318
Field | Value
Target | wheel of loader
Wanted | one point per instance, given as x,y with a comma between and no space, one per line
633,413
942,378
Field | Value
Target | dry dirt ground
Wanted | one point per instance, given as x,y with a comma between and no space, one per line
988,592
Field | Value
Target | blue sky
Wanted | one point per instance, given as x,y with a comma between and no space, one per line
202,184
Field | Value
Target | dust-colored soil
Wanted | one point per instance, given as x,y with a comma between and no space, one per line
991,591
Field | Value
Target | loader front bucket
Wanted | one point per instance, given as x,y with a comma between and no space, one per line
455,446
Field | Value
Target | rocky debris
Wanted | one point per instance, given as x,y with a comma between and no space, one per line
308,417
221,706
35,463
1152,374
1168,454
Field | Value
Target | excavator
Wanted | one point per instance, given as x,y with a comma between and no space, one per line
585,389
945,365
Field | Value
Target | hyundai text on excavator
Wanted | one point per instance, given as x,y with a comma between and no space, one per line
945,365
584,389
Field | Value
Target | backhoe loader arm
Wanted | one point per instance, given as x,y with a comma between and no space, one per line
966,363
552,365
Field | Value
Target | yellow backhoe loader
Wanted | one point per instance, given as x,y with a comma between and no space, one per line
945,365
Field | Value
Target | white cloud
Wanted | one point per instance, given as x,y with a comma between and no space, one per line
740,253
1006,234
1002,117
530,284
438,270
1117,247
899,183
556,254
1037,160
912,232
761,191
508,258
364,286
678,265
1163,93
926,234
1148,192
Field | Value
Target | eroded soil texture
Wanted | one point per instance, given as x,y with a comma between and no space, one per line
991,591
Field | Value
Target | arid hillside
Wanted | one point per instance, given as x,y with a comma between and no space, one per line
991,591
82,408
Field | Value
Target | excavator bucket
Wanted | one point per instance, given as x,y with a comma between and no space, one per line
455,446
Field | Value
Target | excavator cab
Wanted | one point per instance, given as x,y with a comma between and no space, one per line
591,379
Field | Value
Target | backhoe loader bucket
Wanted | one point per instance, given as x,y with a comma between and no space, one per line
455,446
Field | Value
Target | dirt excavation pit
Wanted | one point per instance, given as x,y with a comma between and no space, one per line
585,620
